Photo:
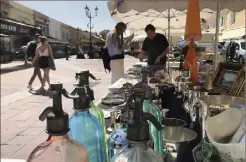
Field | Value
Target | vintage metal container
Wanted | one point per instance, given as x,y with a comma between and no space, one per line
175,141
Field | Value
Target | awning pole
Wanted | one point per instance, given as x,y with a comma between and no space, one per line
217,35
245,44
169,26
168,18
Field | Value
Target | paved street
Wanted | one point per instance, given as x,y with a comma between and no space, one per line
21,130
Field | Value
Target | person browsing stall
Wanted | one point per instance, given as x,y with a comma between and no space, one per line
155,46
114,44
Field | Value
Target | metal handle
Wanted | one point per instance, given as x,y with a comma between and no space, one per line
67,95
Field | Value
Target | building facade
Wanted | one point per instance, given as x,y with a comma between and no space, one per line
42,21
21,13
5,8
231,24
73,35
65,31
54,29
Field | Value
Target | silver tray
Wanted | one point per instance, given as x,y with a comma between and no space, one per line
113,100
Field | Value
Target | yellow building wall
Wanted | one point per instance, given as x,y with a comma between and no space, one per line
239,20
21,13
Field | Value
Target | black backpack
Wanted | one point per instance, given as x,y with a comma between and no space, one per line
31,49
106,60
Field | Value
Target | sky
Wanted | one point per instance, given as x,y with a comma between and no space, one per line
73,13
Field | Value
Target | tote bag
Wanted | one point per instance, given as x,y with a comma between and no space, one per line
51,62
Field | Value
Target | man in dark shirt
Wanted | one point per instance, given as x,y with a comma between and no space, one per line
155,46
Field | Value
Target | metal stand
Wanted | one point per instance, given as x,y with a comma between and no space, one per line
217,35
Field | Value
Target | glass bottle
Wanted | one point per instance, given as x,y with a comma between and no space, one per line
117,139
149,107
98,113
85,127
157,136
87,130
58,147
138,135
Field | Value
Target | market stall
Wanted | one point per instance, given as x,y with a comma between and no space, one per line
127,7
184,113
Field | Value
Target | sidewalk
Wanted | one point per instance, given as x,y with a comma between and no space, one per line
21,131
14,66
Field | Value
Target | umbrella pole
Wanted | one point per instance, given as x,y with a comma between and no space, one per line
217,35
245,32
168,18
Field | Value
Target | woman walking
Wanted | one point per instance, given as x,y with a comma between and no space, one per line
43,54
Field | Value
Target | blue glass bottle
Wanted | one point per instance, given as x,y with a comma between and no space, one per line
117,139
85,128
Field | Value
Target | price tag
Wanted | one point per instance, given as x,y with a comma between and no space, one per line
121,159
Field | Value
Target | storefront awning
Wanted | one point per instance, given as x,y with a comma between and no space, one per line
51,40
232,34
11,27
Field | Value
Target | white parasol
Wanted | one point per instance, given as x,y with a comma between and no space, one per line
137,21
141,6
124,6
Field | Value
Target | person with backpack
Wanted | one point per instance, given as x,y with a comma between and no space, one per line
31,51
114,51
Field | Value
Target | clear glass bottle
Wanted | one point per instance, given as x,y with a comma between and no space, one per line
137,152
138,134
85,128
58,147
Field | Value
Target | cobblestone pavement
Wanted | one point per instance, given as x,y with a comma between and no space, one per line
21,130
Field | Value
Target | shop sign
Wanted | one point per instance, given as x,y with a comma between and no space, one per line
12,28
8,27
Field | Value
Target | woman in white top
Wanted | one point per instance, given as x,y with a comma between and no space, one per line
115,49
43,52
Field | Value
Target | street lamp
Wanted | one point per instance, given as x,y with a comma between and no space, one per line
90,16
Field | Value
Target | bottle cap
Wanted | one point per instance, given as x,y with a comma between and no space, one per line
57,119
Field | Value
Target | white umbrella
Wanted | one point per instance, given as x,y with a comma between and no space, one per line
124,6
137,21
